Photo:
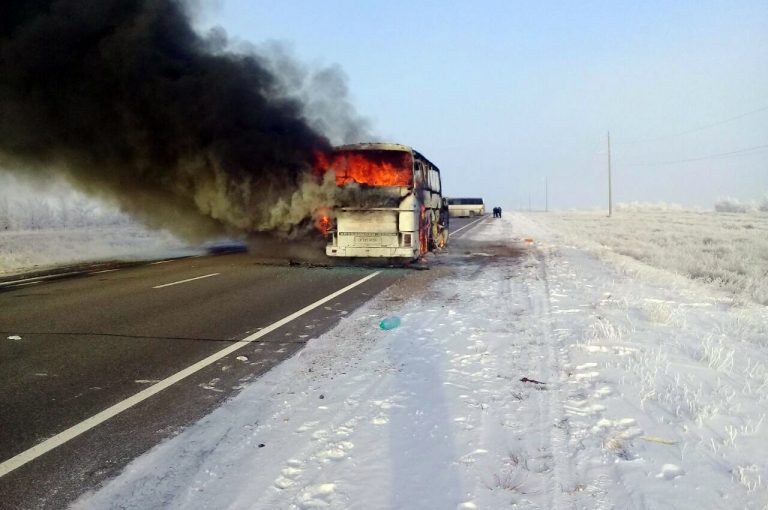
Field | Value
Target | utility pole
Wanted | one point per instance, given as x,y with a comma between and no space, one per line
610,197
546,194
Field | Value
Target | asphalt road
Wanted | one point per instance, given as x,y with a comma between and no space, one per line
71,348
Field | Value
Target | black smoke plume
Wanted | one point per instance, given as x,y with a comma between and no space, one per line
127,102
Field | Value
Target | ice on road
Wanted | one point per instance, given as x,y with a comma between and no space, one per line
538,377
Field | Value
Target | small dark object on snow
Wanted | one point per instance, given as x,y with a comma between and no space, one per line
262,445
322,396
525,379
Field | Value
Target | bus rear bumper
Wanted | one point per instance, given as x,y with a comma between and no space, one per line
405,252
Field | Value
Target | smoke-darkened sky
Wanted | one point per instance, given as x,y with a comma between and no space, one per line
124,100
502,93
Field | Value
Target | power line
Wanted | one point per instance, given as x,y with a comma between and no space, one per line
700,128
711,156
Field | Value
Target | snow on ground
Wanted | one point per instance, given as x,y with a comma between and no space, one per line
29,250
654,396
729,250
50,224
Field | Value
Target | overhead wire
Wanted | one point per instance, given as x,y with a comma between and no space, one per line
696,129
721,155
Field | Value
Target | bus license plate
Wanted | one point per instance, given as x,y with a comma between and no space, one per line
368,240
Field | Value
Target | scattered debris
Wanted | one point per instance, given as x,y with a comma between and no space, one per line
322,397
656,439
14,337
262,445
242,358
532,381
390,323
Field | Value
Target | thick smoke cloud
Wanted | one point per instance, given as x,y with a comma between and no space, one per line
126,101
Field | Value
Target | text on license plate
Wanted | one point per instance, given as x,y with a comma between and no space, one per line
369,240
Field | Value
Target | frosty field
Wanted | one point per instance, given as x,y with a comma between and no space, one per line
28,250
56,225
727,250
532,376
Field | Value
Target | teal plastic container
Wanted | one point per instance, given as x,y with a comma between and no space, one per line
390,323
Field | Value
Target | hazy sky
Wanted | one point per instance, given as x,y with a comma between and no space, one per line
500,94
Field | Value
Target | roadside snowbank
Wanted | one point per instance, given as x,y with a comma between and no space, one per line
29,250
652,397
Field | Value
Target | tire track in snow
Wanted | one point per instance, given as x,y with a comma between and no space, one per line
552,435
556,359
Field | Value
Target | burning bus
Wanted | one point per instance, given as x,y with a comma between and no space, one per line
390,202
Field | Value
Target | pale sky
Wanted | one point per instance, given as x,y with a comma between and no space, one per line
500,94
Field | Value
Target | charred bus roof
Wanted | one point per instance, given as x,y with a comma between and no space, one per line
385,147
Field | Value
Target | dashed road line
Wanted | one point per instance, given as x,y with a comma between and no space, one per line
185,281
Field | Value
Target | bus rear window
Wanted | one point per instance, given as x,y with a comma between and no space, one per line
371,167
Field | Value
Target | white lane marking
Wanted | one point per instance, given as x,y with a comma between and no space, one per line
28,283
85,425
465,226
39,278
159,262
185,281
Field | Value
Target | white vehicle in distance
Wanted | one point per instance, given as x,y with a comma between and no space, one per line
465,207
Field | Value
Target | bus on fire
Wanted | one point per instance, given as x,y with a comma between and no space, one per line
391,204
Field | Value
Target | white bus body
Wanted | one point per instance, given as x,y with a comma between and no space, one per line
394,207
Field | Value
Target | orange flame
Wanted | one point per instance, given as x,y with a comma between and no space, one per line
423,243
371,167
323,221
324,224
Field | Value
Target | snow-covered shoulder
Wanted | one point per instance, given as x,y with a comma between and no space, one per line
534,376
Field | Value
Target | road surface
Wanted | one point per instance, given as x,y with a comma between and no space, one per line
98,368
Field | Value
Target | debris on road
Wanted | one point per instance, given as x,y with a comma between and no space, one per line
532,381
390,323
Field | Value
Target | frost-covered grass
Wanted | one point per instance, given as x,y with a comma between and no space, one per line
25,205
733,205
727,250
50,224
28,250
